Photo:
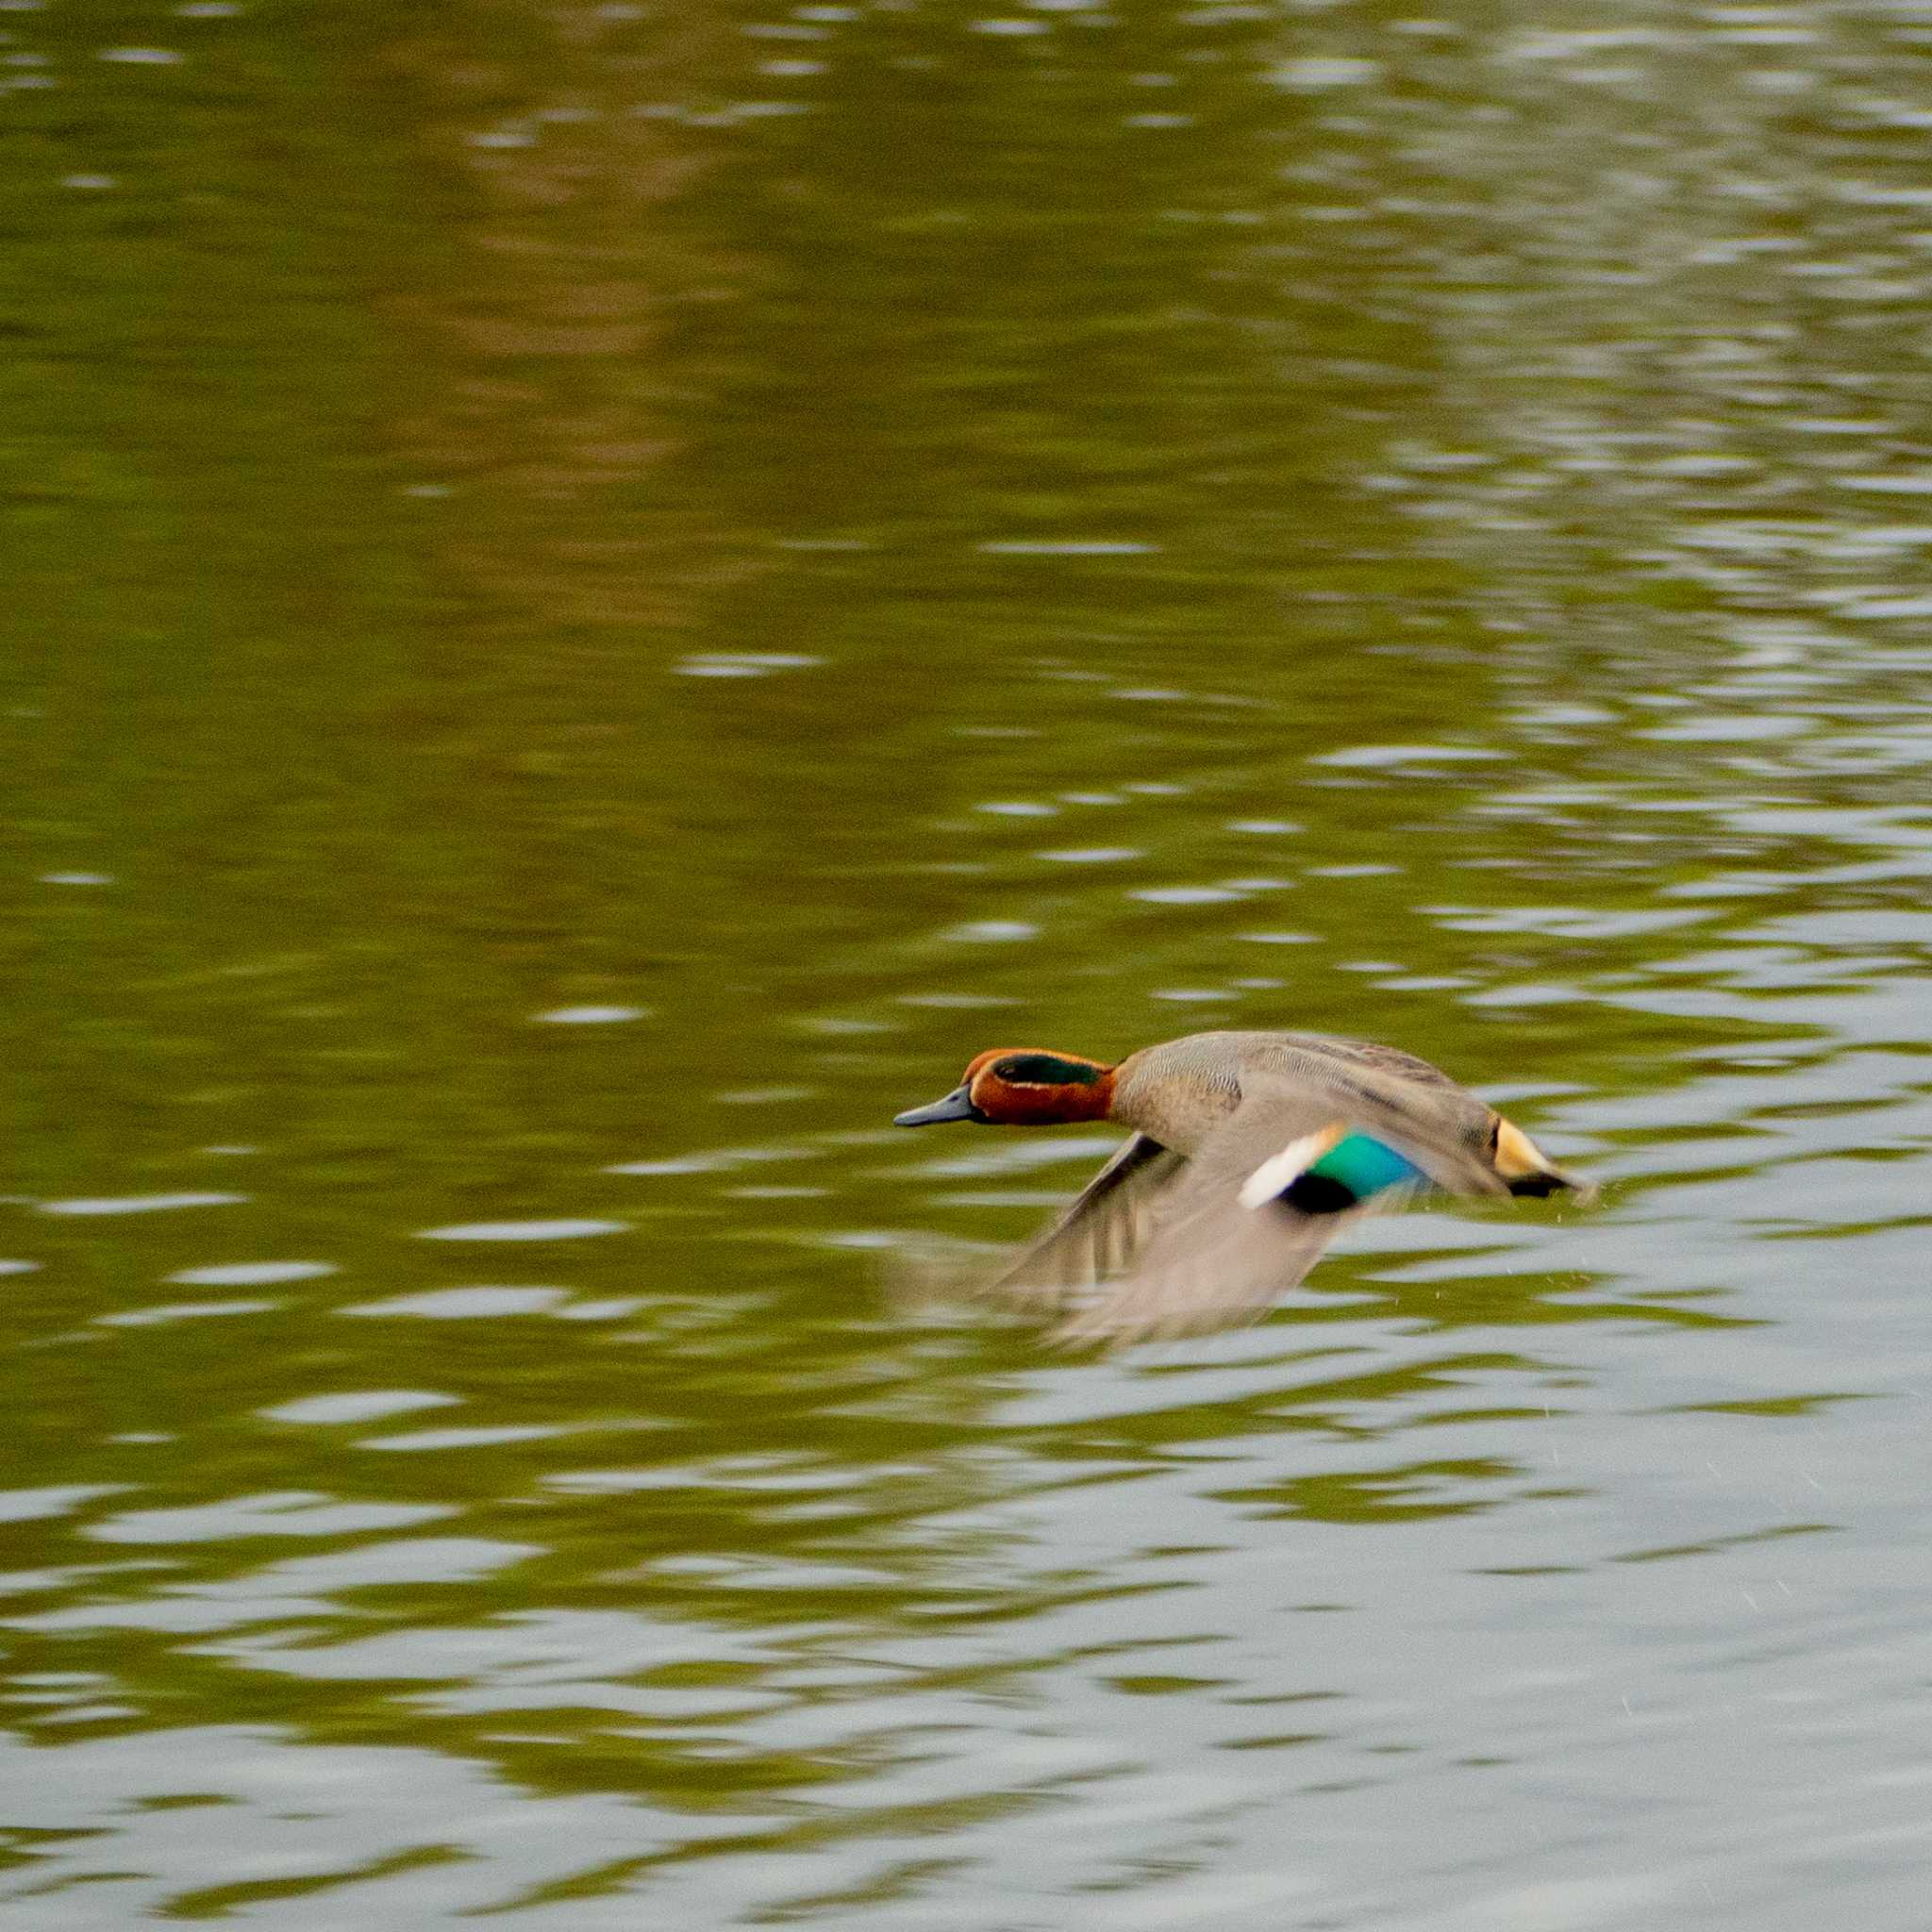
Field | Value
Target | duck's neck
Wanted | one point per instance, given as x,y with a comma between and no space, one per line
1090,1100
1047,1105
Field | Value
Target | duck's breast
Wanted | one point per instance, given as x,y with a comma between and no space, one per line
1181,1090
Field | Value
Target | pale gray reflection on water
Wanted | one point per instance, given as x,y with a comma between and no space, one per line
853,535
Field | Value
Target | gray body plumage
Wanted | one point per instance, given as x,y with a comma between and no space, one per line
1182,1090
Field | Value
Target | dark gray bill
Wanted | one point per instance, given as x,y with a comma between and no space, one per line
957,1106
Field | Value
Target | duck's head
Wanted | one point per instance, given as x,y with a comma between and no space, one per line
1022,1087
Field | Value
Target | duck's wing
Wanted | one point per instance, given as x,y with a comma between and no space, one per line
1262,1197
1101,1231
1373,1054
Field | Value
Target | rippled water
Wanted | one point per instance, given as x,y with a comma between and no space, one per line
601,595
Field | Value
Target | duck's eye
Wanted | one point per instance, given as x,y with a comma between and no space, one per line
1495,1133
1044,1070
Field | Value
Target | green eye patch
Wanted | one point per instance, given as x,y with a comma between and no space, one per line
1046,1069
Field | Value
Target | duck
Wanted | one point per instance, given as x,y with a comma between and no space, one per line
1250,1151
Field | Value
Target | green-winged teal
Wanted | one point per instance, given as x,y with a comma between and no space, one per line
1250,1151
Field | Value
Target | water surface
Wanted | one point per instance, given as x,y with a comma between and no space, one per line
599,596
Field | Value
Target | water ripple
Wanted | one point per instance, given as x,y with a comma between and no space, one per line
560,1230
139,1204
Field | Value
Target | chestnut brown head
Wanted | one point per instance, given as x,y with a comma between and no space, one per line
1023,1087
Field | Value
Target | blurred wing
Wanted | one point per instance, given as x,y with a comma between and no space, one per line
1310,1158
1100,1233
1188,1287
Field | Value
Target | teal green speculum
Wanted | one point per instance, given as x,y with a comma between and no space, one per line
1364,1166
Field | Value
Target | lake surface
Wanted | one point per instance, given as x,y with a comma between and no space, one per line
598,596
